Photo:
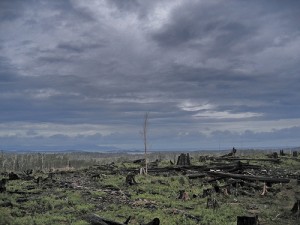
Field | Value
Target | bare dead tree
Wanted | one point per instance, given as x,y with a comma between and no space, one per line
145,133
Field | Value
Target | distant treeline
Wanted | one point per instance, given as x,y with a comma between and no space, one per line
12,161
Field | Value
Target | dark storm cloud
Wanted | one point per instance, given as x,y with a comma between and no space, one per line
197,20
86,72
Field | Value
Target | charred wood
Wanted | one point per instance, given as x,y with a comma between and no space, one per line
2,185
155,221
13,176
139,161
128,219
296,207
247,220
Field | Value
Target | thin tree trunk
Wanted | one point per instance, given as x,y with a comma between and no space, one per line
145,130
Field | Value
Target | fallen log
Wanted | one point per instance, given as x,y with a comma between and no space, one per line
248,159
248,177
227,167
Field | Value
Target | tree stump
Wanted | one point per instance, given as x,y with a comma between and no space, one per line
295,154
184,160
183,195
130,179
233,151
274,155
212,203
281,153
247,220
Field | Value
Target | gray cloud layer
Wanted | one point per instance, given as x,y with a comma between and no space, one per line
76,74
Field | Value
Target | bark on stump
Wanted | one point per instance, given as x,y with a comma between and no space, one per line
295,154
183,195
130,179
247,220
183,160
281,153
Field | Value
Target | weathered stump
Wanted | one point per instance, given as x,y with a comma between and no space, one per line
183,195
274,155
184,160
212,203
247,220
130,179
233,151
295,154
281,153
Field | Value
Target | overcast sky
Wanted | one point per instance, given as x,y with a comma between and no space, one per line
211,73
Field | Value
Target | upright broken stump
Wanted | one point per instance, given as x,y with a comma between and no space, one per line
295,154
130,179
183,195
247,220
212,203
184,160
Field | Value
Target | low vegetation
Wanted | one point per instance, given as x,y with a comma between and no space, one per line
185,194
